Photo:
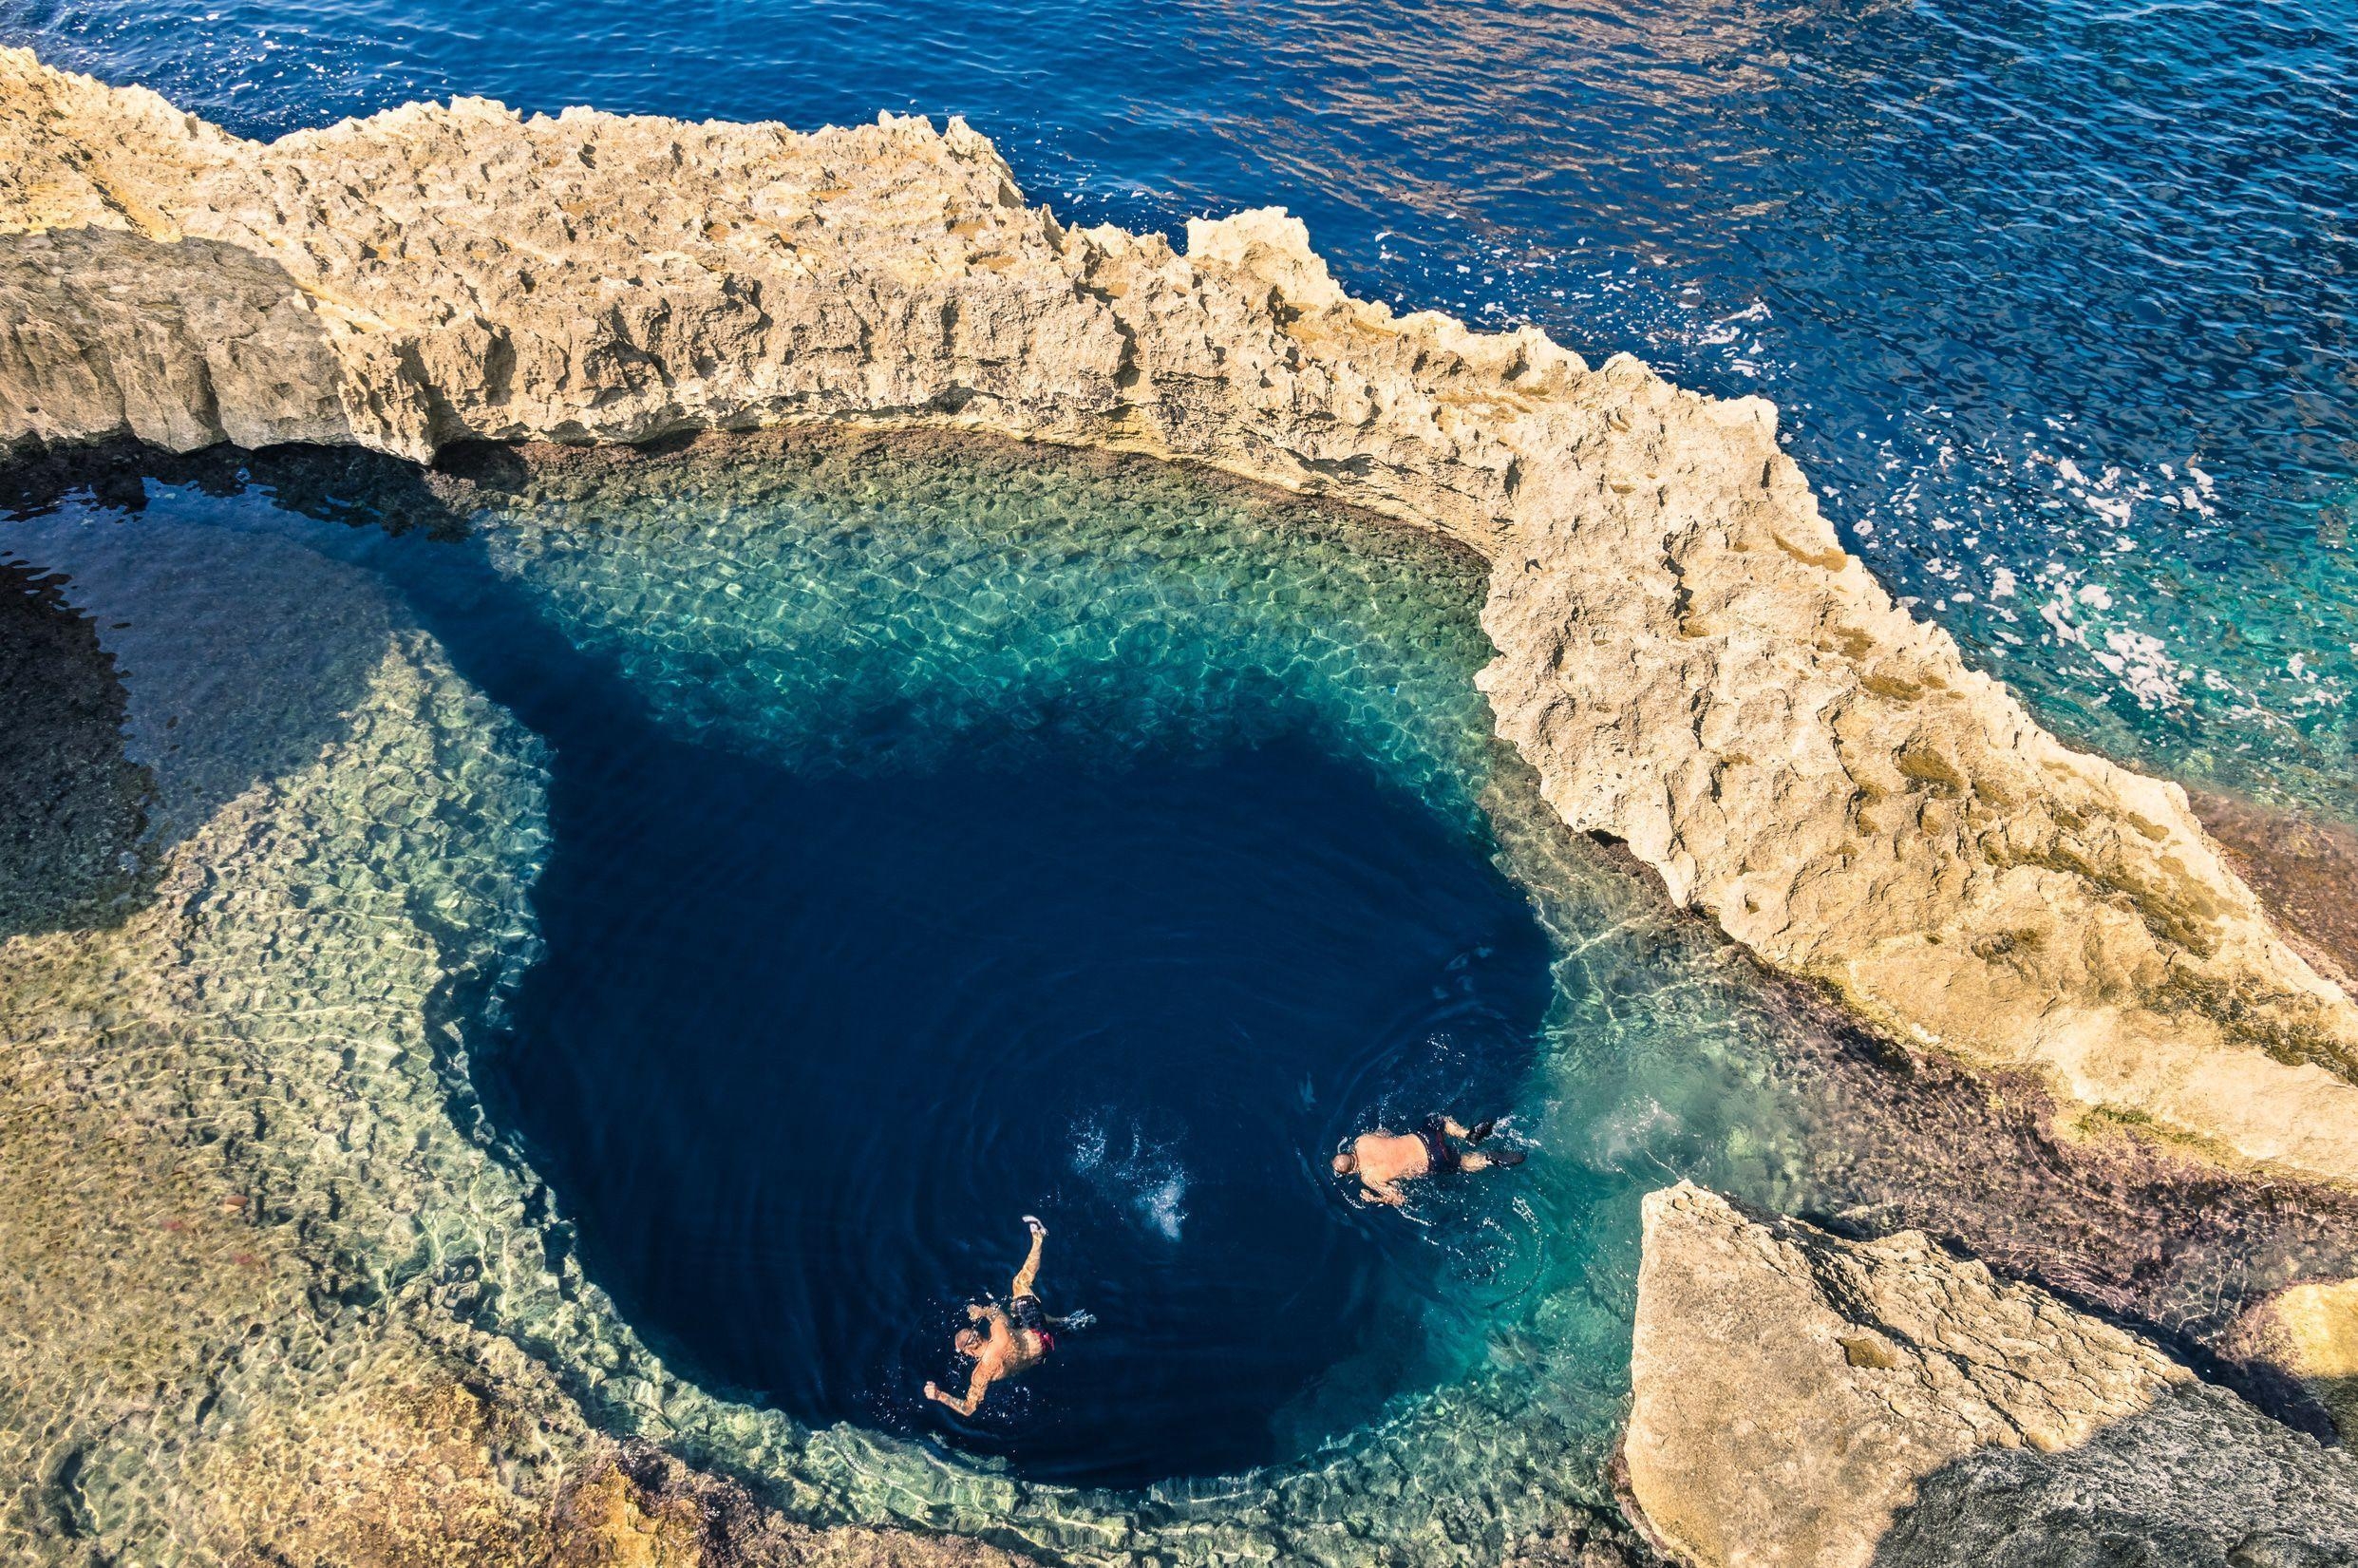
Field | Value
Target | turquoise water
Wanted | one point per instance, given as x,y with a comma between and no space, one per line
2055,298
724,682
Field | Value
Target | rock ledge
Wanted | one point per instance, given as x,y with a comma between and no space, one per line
1685,654
1803,1400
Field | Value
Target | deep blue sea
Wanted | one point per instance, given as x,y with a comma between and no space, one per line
2057,298
928,841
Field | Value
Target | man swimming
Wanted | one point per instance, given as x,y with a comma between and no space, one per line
1013,1340
1383,1159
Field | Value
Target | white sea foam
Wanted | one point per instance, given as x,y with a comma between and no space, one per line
1136,1172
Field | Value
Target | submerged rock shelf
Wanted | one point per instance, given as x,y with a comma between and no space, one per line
1687,655
334,1303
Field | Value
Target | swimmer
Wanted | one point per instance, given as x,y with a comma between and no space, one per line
1013,1340
1383,1159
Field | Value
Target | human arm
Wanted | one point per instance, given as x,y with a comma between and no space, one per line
974,1388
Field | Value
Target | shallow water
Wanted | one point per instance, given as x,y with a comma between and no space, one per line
2055,298
919,833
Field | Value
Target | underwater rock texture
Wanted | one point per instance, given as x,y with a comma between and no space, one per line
1800,1399
244,1275
69,799
1687,655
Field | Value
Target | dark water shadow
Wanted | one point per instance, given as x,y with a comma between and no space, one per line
72,806
218,692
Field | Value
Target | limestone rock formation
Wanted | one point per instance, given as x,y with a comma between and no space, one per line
1685,654
2309,1333
1800,1399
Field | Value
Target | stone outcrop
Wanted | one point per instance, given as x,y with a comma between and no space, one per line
1685,654
2309,1333
1800,1399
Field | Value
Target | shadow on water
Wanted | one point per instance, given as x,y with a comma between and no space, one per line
86,811
239,666
71,802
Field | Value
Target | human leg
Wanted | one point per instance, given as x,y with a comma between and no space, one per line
1029,1274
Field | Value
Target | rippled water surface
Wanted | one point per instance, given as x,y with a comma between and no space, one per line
2056,297
894,874
917,833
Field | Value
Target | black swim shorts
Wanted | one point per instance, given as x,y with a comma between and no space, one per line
1439,1154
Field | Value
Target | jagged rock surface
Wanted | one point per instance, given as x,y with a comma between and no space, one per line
1808,1401
1687,655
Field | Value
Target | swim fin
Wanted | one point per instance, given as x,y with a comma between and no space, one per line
1509,1159
1482,1130
1031,1224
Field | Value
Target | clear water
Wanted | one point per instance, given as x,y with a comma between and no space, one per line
918,865
2056,297
833,850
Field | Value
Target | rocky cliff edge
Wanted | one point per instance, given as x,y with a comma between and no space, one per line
1686,652
1806,1402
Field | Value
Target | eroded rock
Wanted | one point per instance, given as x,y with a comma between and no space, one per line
2309,1333
1687,655
1800,1399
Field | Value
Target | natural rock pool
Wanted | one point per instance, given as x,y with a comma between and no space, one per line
683,905
930,847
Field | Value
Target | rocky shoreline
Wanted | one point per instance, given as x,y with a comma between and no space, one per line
1803,1400
1693,664
1687,655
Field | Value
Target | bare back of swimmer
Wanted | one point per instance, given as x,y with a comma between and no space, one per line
1005,1341
1383,1159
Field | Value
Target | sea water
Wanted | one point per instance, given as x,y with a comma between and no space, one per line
2054,297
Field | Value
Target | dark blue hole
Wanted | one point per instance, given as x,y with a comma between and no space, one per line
804,1048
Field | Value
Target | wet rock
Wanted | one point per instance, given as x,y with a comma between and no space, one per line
2309,1333
2302,868
1687,655
1800,1399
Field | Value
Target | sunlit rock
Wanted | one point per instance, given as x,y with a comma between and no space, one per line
1800,1399
1687,655
2310,1334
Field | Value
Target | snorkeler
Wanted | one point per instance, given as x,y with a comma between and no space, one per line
1015,1339
1383,1159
